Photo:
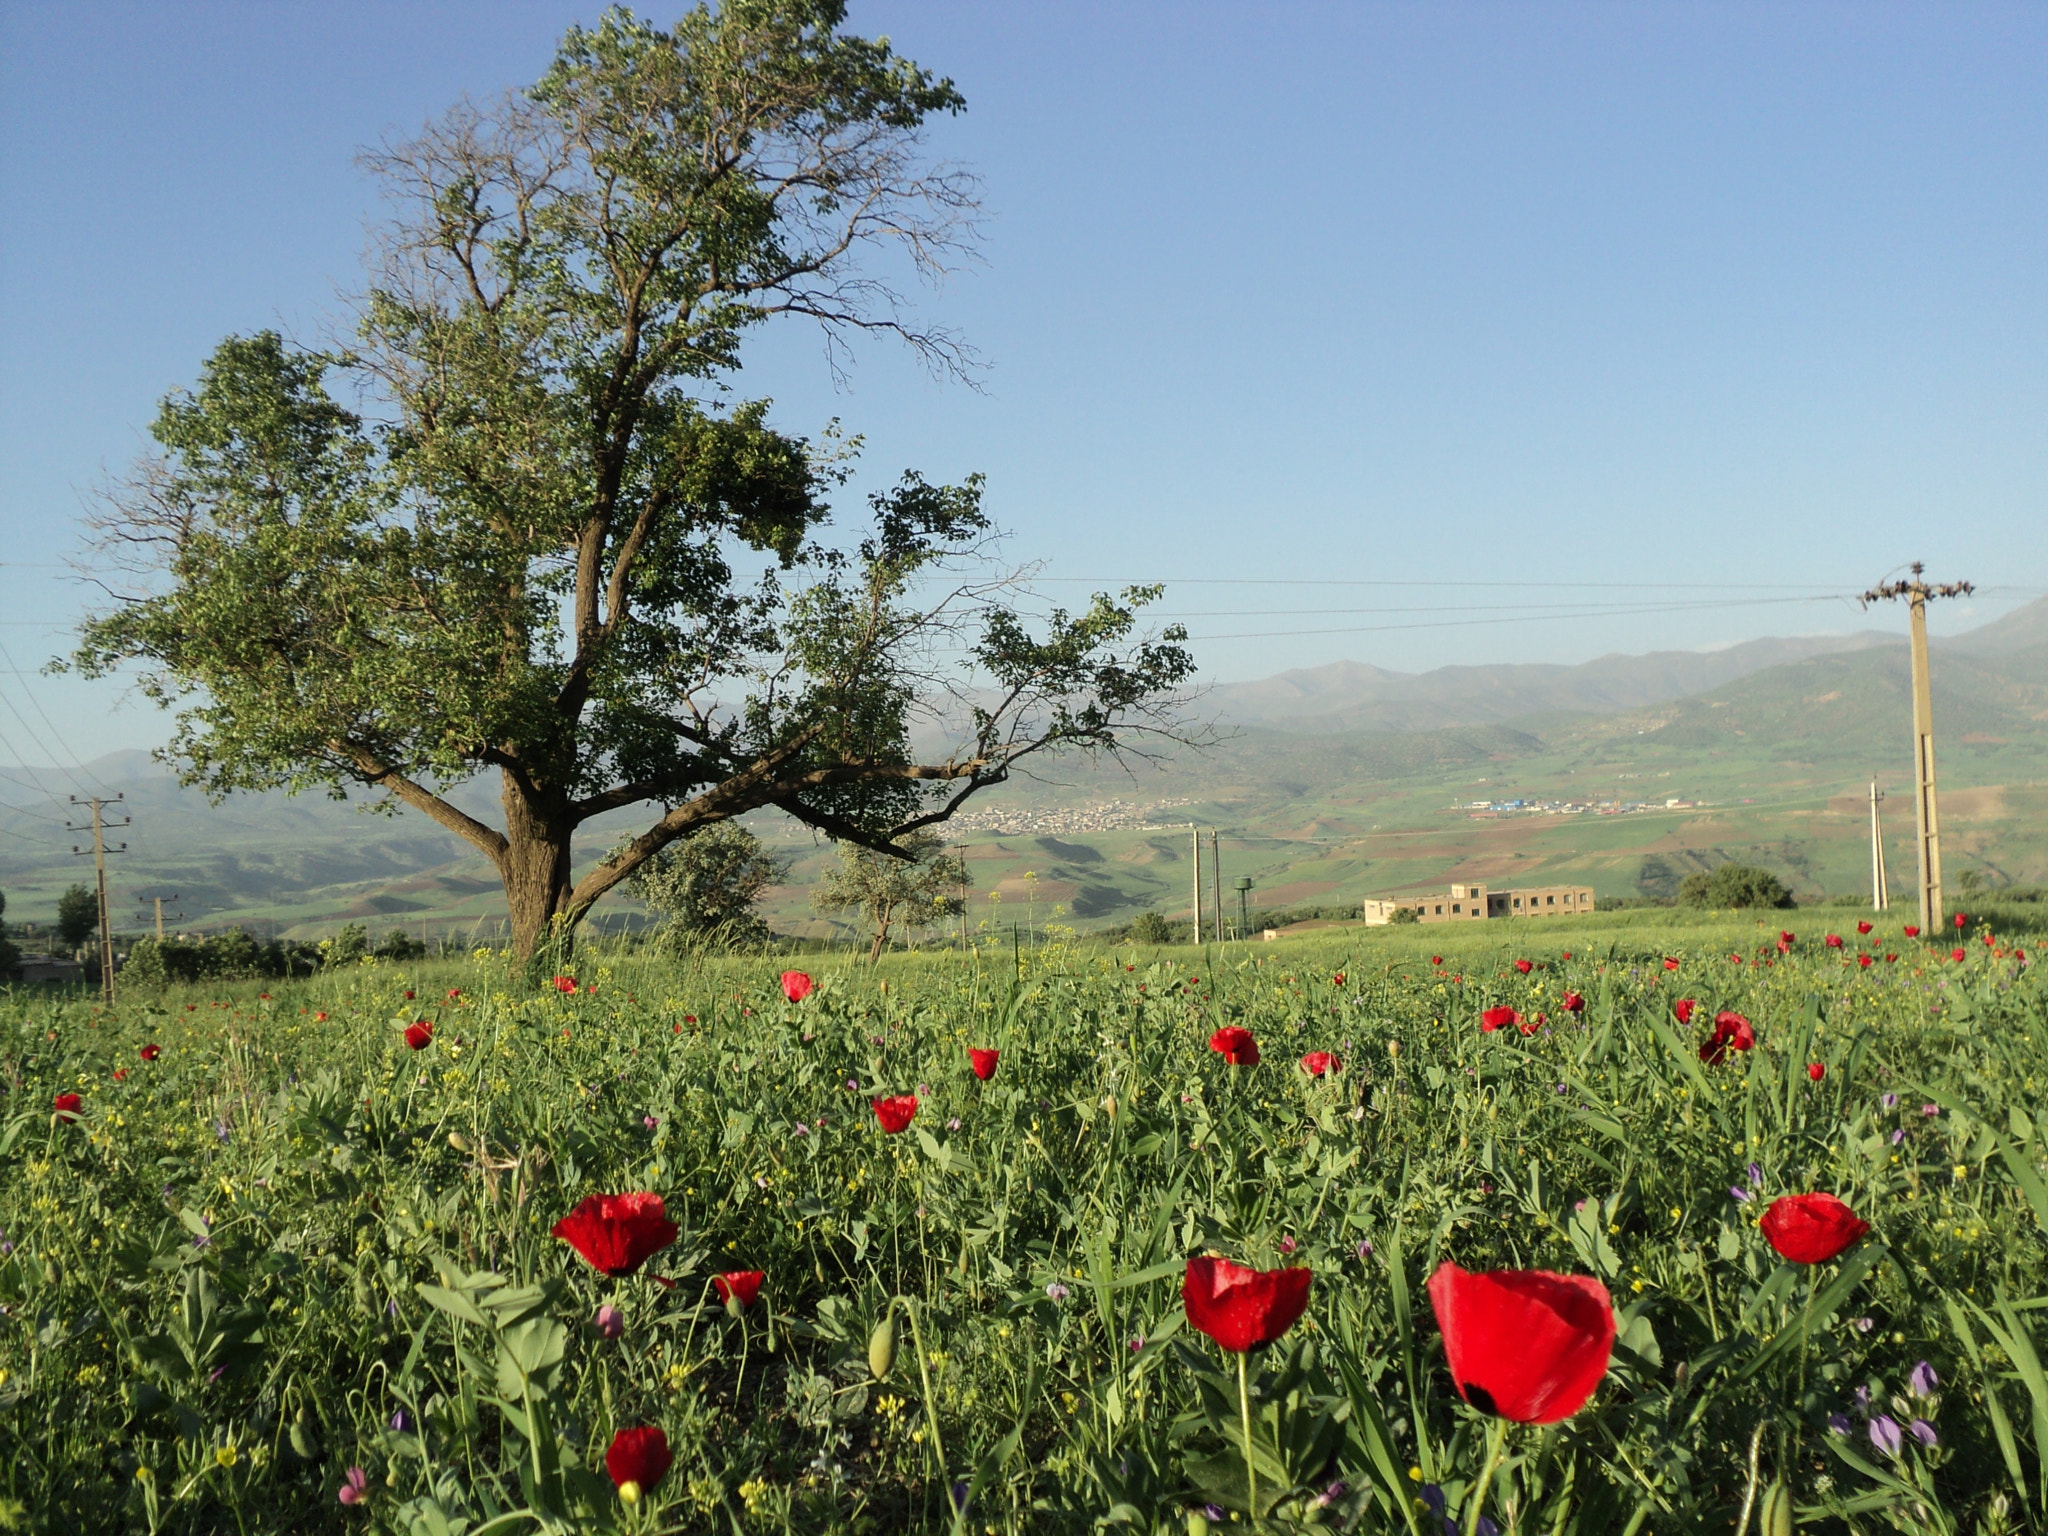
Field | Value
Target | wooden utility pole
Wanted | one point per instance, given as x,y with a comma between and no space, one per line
1197,834
1216,879
1916,593
100,850
1880,886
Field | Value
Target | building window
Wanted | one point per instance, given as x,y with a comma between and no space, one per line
1456,908
1518,901
1550,900
1439,909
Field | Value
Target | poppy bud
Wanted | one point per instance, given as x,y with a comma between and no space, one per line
882,1346
458,1141
1777,1510
305,1444
1198,1523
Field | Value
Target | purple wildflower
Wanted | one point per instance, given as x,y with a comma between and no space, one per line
610,1322
1838,1423
1056,1291
1884,1434
1738,1192
1923,1381
355,1487
1923,1431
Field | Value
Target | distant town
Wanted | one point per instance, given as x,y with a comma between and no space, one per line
1493,810
1108,816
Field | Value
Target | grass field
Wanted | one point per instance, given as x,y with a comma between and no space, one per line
291,1257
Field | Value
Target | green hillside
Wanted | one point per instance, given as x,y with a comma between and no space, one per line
1772,768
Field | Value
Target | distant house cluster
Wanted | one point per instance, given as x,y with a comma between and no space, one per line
1468,903
1494,810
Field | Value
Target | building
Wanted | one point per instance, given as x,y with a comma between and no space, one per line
1475,903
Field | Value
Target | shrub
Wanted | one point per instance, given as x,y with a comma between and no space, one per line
1734,885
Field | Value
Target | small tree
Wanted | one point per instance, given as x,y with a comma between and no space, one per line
1151,928
1734,885
893,893
78,917
9,953
707,886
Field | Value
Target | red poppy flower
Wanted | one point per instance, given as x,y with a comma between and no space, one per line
1912,930
1961,920
1337,980
1987,941
1959,954
1811,1229
565,985
1436,959
1816,1071
1235,1046
895,1114
1525,966
1732,1032
638,1459
1785,943
1863,961
1889,959
796,985
321,1017
983,1062
1316,1063
66,1106
151,1051
1493,1018
617,1233
1242,1308
419,1035
1530,1026
120,1074
454,993
1526,1344
1670,964
1863,927
1567,954
1833,941
1573,1003
745,1284
1684,1009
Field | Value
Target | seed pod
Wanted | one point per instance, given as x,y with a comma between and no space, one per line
458,1141
1198,1523
1777,1510
305,1443
882,1345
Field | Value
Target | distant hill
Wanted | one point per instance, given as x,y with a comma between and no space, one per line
1351,696
1331,784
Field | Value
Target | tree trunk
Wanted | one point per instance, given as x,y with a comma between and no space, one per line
535,869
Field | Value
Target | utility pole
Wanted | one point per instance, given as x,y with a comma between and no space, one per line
1216,879
1880,886
175,916
1244,918
1197,833
1916,593
99,851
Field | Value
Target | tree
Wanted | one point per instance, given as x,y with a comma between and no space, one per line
1734,885
78,917
10,953
893,893
1151,928
553,544
707,886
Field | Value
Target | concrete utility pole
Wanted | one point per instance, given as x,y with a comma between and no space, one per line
100,850
1880,886
1216,879
1916,593
1197,834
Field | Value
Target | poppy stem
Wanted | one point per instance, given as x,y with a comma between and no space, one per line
1496,1441
1244,1410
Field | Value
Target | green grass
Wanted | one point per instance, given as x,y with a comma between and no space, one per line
216,1275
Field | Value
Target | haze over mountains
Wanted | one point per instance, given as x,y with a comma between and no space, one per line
1335,781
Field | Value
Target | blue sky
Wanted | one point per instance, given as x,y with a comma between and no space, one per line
1695,309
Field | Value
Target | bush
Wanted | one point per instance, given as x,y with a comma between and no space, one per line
1734,885
1404,915
1151,928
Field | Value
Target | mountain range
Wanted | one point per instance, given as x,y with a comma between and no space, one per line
1333,782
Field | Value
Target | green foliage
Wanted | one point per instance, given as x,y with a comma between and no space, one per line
1734,885
554,544
1404,915
707,884
10,953
291,1245
892,893
231,955
1153,928
78,916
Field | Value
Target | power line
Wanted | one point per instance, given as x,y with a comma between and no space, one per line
55,734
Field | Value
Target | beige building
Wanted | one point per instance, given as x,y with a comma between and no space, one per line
1470,903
